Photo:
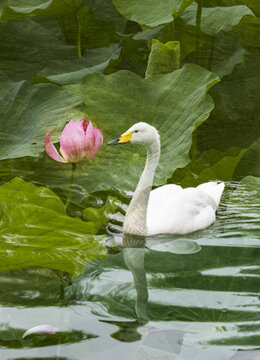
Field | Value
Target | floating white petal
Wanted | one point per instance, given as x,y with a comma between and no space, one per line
41,330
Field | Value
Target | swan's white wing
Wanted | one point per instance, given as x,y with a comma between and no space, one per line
163,193
180,211
213,189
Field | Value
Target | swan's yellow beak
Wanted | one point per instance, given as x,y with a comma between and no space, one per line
123,139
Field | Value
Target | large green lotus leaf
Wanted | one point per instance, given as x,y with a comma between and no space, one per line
133,57
28,111
211,165
100,216
92,31
254,5
234,122
29,48
175,103
105,9
249,164
148,34
78,23
214,20
36,231
71,72
149,12
248,32
12,9
227,54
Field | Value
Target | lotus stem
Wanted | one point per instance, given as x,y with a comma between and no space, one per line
171,27
78,39
73,169
198,21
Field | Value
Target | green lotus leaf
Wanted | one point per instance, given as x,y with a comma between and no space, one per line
36,231
100,216
249,164
87,30
163,58
149,12
133,56
148,34
14,9
214,20
227,54
234,122
211,165
248,32
28,112
30,49
70,72
175,103
78,23
254,5
105,9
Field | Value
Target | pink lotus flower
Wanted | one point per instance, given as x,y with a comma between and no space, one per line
79,141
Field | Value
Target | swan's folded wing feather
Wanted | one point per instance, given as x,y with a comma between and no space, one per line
213,189
163,193
180,211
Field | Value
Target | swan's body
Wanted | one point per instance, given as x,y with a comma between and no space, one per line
169,208
187,209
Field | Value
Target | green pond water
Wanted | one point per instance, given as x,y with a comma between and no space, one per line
115,296
183,297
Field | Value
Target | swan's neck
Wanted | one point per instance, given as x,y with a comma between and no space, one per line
135,219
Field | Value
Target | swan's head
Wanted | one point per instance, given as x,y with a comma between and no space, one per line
139,133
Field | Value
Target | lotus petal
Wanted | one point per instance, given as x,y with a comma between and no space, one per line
89,140
51,150
98,140
72,141
41,330
94,139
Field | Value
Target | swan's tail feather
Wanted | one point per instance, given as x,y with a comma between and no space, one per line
213,189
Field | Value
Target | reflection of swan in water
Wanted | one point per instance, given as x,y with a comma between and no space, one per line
134,257
134,253
169,208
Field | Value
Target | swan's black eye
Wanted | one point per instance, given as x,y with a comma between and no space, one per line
136,131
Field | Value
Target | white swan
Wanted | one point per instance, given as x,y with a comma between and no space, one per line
169,208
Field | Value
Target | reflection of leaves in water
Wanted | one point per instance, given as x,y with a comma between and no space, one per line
36,231
32,287
12,338
246,340
127,331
